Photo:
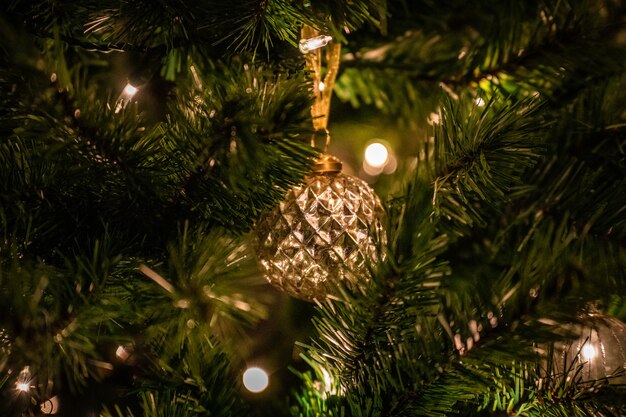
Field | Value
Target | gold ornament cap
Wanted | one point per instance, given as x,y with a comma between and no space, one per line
327,164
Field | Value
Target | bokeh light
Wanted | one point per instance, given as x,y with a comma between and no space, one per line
376,155
255,379
588,352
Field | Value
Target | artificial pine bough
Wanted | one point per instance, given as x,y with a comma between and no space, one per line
140,142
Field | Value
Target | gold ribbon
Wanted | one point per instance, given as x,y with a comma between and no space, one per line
321,102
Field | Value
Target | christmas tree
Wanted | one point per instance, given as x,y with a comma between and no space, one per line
144,142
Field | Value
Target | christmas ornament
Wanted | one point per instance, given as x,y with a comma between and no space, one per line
599,351
324,232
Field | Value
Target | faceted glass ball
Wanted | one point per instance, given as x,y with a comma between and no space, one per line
599,351
323,233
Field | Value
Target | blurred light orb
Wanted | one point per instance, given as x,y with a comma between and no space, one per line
255,379
376,155
22,387
588,352
434,118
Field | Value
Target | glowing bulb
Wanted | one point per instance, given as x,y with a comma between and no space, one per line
376,155
328,382
321,86
255,379
130,90
588,352
479,102
127,94
23,380
434,119
308,45
122,353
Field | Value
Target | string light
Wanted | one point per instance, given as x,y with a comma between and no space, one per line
130,90
255,379
123,353
321,86
479,101
311,44
329,383
379,159
434,119
376,155
22,387
125,97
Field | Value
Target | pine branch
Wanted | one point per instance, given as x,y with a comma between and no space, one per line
539,51
197,385
368,340
242,25
480,155
247,128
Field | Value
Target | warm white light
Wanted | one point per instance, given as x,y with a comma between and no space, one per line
376,155
588,352
125,97
434,119
328,382
321,86
479,102
308,45
255,379
23,380
130,90
122,353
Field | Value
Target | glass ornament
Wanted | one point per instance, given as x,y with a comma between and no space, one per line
323,233
599,351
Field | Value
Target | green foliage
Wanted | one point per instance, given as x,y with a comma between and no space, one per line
516,48
481,155
196,383
220,133
123,223
55,317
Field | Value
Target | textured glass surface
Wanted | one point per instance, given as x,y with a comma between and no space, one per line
323,232
600,350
